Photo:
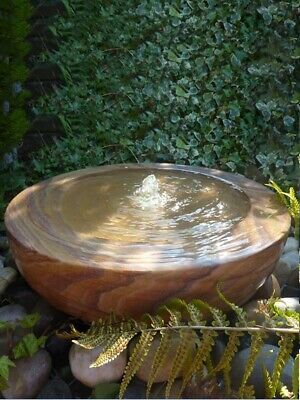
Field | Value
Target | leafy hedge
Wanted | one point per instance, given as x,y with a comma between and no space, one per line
14,27
198,82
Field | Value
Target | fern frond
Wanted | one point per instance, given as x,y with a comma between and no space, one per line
219,318
136,359
285,349
295,380
267,383
159,358
114,350
240,313
249,392
203,350
195,316
187,336
284,392
256,345
230,350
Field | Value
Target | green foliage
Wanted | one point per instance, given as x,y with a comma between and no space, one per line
5,365
173,318
27,346
106,391
199,82
291,202
14,28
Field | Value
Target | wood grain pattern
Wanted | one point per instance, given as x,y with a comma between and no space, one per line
80,277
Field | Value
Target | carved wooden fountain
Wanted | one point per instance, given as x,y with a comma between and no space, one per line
125,238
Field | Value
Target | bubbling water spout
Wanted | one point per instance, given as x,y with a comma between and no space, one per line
149,195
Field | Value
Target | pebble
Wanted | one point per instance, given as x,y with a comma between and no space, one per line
11,313
217,351
10,261
21,293
58,348
292,258
288,303
163,372
252,312
282,271
80,360
136,389
201,387
50,317
268,289
291,244
1,261
28,376
55,389
7,276
294,278
267,356
290,291
4,245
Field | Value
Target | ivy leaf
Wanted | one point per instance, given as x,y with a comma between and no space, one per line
28,346
4,325
181,145
5,364
180,92
266,14
30,320
106,391
174,13
288,121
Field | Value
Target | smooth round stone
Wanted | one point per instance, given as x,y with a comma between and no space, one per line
10,261
292,258
217,351
268,289
252,312
282,271
136,390
58,348
29,376
293,279
291,244
80,360
4,245
20,293
290,291
50,317
55,389
267,357
8,274
163,372
1,261
288,303
11,313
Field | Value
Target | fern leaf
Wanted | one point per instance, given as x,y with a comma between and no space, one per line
256,344
285,349
219,318
230,350
195,316
136,359
296,377
240,313
268,383
159,358
187,336
249,392
114,350
284,392
203,351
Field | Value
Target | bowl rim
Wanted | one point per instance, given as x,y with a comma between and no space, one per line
267,222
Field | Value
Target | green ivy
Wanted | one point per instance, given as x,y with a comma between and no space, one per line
14,28
199,82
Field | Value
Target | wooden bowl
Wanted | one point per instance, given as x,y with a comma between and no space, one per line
89,273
